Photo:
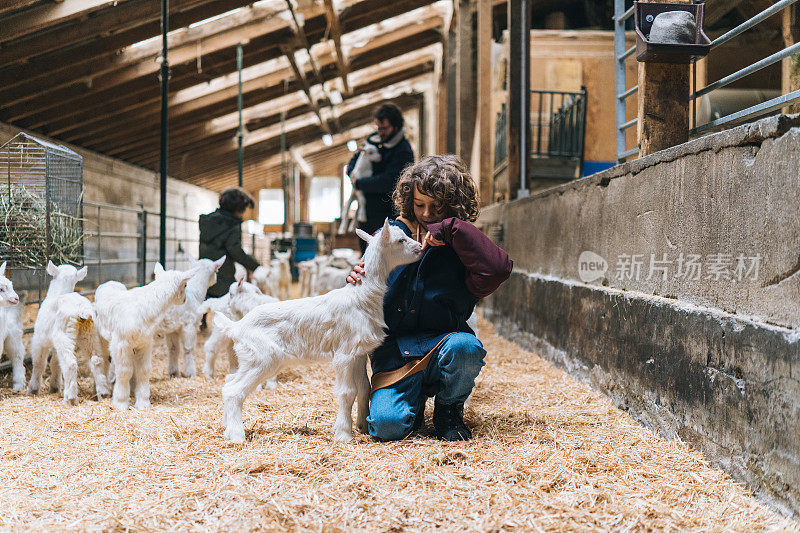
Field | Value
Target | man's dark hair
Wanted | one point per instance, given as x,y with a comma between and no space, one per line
235,200
391,113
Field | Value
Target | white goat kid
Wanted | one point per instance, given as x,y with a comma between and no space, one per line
344,325
265,279
282,271
65,322
126,320
362,169
180,323
11,329
227,305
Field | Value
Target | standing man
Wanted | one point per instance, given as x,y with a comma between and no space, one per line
396,154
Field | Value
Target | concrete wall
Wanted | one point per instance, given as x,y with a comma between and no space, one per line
112,181
701,340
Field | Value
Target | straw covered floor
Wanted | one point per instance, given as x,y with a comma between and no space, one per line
548,454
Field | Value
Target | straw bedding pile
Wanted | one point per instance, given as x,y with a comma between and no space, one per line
548,454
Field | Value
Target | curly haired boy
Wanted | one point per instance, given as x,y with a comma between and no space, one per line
430,350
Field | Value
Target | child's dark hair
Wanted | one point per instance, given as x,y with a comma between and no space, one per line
391,113
235,200
445,179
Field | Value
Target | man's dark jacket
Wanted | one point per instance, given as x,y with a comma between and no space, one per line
396,154
221,234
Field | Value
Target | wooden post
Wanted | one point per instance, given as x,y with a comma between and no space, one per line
519,97
452,93
791,65
663,105
485,175
465,80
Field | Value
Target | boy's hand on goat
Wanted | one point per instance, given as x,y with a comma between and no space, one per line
358,270
429,240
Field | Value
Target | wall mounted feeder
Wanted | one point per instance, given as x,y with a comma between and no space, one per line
661,52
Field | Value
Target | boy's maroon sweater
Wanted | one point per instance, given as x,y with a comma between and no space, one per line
487,264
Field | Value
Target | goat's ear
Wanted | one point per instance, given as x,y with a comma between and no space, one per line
52,269
3,269
82,273
190,257
363,235
218,263
158,269
385,232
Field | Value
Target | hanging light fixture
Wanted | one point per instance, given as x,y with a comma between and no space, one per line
327,139
352,145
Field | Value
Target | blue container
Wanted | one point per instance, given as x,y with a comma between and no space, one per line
303,249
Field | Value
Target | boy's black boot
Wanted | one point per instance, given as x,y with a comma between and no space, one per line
448,422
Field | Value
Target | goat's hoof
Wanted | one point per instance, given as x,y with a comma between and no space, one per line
271,384
70,401
33,389
235,435
343,436
192,374
141,405
174,374
18,387
121,406
363,427
54,389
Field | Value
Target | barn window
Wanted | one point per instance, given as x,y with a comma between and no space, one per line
324,199
270,206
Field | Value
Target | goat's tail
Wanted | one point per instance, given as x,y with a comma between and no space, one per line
222,324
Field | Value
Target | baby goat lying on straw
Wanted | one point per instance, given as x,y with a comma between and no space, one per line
179,324
65,322
11,329
126,321
344,325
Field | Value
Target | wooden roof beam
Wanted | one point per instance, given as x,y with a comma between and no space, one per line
41,18
335,28
266,112
185,44
269,135
289,51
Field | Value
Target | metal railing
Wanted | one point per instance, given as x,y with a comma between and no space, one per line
558,123
755,111
621,15
122,243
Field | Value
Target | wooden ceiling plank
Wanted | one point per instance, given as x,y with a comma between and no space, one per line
43,17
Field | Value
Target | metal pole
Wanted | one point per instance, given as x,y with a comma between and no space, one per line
162,244
284,183
240,134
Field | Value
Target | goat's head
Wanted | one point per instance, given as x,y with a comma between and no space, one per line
243,287
174,281
207,270
394,246
67,275
7,294
371,152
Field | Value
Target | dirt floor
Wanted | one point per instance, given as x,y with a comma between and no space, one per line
548,454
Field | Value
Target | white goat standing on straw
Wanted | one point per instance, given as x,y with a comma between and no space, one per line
230,305
344,325
65,322
180,322
362,169
126,321
11,329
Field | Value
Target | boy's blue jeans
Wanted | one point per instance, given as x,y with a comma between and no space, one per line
450,376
